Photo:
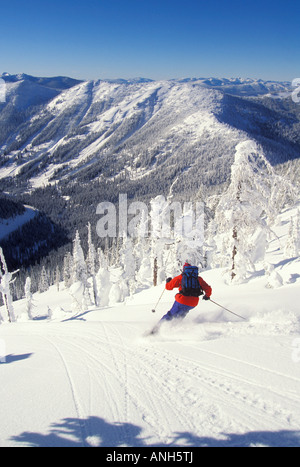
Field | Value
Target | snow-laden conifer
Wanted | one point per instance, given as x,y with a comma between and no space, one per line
253,199
91,264
44,281
292,247
6,280
28,298
79,288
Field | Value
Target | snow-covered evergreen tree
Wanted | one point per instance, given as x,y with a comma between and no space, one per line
6,280
91,256
127,261
44,281
79,289
115,251
79,270
103,280
142,252
57,277
243,211
292,247
162,235
67,270
28,298
91,264
189,235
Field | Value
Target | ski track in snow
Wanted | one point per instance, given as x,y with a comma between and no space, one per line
75,398
161,391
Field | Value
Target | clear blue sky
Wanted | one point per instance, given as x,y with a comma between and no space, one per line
157,39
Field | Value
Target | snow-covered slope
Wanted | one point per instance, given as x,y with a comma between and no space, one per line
93,379
134,127
23,94
129,130
7,226
249,87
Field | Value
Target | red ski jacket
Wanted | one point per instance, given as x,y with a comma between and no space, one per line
190,301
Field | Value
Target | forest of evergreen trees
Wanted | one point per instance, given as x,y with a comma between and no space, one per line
10,208
150,151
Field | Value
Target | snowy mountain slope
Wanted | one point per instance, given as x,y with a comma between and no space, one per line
27,234
92,378
55,82
7,226
24,94
132,130
87,124
249,87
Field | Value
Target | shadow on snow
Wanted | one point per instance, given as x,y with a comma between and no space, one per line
14,358
94,431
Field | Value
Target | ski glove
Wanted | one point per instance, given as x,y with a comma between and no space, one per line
206,297
169,279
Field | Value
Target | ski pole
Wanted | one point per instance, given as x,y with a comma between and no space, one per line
221,306
154,309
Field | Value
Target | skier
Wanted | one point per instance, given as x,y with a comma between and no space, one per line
191,286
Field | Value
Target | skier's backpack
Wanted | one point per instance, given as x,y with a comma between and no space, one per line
190,286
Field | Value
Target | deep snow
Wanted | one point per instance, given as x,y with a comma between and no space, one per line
94,379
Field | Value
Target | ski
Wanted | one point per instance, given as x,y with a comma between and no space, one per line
154,331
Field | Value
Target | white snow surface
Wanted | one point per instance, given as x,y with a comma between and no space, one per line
94,378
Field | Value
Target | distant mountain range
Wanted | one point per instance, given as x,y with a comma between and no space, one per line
172,132
66,145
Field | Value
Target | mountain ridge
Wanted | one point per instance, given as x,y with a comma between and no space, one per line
108,123
73,148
